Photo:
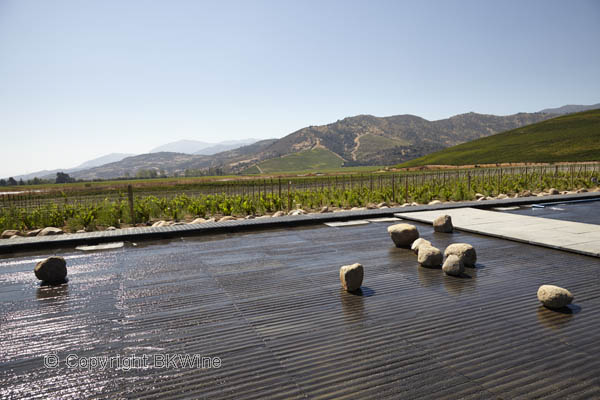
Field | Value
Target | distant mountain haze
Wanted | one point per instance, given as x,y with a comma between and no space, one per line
199,147
570,108
50,174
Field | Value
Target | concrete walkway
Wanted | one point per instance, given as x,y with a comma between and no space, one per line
564,235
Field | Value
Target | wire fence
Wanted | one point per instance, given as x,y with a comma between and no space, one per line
401,186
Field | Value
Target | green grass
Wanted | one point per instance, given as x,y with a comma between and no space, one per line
374,143
574,137
307,160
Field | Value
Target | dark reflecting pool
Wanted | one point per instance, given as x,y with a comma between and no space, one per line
268,307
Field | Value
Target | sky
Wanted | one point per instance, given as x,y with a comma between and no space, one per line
81,79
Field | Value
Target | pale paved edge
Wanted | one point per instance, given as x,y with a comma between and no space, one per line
570,236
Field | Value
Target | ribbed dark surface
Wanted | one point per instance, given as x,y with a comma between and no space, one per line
587,212
269,304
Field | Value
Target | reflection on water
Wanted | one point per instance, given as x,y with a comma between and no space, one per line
557,319
54,292
429,276
353,304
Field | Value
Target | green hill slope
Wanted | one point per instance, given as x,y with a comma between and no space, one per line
573,137
315,159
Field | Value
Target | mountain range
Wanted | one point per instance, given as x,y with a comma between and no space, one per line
358,140
198,147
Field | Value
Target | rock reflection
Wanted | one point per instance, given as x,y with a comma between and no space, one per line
429,276
53,292
557,319
353,304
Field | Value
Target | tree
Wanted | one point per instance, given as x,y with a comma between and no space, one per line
12,182
61,177
2,182
21,182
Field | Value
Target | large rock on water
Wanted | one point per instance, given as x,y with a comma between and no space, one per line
351,276
403,235
430,257
464,251
418,243
554,296
453,265
51,270
443,223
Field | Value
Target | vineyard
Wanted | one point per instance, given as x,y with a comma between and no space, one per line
92,208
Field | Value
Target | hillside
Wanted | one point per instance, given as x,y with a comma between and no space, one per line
572,137
315,159
369,140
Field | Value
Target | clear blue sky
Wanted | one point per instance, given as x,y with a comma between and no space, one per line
80,79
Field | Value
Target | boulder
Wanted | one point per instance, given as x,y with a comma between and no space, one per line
554,296
418,243
297,212
526,193
198,221
434,202
32,233
553,191
430,257
111,228
7,234
50,230
51,270
583,190
351,276
80,231
160,224
453,265
403,235
464,251
227,218
324,209
443,223
279,214
383,204
371,206
479,196
502,196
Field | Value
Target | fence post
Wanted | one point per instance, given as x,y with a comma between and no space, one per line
131,208
469,182
406,189
393,188
500,181
289,202
279,193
